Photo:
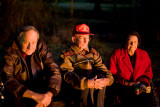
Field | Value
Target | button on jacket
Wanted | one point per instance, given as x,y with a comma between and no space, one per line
78,66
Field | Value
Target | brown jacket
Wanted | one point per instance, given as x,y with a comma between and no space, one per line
78,66
39,74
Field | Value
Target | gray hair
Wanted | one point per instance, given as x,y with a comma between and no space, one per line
23,30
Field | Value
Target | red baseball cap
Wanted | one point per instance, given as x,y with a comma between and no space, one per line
82,29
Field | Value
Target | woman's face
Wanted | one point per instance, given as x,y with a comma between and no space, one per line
132,44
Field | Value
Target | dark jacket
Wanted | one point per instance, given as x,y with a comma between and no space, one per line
39,74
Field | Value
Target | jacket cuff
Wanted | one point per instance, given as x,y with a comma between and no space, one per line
84,83
53,91
111,79
125,82
21,91
144,81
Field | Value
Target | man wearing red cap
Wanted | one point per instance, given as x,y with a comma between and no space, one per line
83,70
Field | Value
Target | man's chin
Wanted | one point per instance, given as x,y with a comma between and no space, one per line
82,48
28,53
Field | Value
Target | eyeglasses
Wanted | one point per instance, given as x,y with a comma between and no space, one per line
83,37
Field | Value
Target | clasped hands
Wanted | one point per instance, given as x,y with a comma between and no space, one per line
43,100
98,83
134,85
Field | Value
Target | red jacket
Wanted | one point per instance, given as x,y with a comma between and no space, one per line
121,67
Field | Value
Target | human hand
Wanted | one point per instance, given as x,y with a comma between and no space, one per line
43,99
91,82
142,88
127,83
134,85
138,91
98,83
39,105
102,82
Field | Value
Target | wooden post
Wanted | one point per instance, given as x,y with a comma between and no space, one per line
71,8
56,6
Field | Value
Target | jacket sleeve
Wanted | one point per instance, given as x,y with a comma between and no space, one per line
71,77
148,74
52,70
101,68
12,85
113,67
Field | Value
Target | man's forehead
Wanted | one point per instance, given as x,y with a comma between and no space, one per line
29,35
31,32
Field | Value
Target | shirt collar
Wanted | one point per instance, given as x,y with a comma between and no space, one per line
14,45
77,50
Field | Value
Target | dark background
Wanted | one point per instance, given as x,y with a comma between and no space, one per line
109,20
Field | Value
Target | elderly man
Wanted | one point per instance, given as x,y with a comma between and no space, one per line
30,76
83,70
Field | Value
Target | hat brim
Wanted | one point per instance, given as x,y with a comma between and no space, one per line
84,33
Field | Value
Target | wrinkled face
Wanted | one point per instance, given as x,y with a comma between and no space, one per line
132,44
28,42
81,40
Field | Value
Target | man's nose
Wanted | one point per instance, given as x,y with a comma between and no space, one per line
84,39
29,46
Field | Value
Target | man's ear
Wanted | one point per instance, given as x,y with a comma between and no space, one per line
73,39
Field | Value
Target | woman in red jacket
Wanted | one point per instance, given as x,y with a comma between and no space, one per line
132,70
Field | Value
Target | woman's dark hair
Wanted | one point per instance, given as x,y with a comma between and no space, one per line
132,33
